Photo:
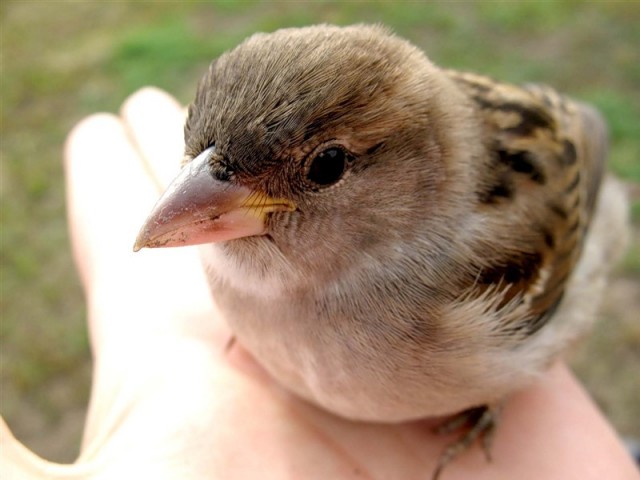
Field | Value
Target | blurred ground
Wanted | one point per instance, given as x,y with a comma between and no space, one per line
62,61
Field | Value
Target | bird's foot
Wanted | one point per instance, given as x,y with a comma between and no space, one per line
478,423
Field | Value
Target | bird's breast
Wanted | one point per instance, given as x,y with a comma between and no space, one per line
357,355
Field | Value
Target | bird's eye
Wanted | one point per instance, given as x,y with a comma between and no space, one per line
328,167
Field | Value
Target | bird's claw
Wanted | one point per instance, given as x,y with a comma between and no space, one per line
480,422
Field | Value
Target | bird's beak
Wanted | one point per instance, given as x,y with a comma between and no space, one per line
198,208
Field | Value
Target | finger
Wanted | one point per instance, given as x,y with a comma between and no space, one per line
136,301
108,194
155,121
131,296
19,463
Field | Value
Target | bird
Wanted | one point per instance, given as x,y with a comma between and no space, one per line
392,240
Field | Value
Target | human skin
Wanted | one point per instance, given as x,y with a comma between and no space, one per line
169,401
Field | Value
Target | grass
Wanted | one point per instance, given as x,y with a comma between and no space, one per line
64,60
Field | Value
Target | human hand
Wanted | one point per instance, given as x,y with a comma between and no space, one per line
168,402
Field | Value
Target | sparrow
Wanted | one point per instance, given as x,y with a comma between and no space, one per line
392,240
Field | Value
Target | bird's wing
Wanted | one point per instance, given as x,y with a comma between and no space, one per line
539,190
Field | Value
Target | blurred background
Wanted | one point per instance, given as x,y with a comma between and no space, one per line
61,61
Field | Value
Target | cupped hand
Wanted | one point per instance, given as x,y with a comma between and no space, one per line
170,402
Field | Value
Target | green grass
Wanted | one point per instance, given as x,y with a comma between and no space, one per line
63,61
623,117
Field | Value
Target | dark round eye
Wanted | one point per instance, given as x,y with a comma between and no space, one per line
328,167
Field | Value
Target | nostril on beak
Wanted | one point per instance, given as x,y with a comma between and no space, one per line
221,172
220,169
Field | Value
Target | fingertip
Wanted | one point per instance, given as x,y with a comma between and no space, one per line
99,156
155,121
148,95
88,131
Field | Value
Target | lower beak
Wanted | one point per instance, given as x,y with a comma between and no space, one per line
198,208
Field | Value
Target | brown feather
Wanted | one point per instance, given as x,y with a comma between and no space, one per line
548,162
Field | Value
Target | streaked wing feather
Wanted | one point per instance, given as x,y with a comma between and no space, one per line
548,156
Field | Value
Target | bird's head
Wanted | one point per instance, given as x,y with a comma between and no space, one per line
307,148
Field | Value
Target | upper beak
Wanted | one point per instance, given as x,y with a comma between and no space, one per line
198,208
